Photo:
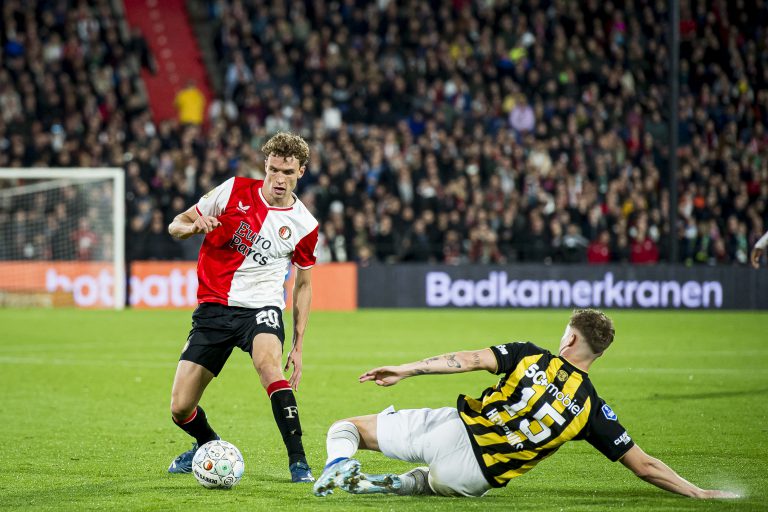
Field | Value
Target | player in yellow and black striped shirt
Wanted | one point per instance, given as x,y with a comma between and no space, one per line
541,401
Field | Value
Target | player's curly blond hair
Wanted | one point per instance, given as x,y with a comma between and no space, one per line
286,144
595,326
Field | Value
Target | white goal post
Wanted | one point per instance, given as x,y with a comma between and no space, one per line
62,230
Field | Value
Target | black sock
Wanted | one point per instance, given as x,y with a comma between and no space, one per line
197,426
286,414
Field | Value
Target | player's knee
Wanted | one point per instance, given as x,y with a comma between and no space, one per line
269,373
270,376
340,424
181,409
366,428
360,422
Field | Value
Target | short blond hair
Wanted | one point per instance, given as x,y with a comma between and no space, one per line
596,328
284,144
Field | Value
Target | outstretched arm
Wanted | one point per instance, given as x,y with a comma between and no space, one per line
655,472
190,223
458,362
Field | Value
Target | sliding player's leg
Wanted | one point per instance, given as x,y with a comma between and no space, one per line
344,439
433,436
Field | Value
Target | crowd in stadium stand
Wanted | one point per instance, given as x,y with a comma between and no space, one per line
456,132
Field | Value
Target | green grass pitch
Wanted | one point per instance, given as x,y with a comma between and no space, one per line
84,401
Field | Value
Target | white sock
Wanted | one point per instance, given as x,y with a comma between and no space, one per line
342,440
415,482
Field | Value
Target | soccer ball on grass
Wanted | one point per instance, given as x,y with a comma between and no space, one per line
218,464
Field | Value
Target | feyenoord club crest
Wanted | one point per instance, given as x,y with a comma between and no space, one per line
284,232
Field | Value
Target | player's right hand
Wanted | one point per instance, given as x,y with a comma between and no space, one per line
756,254
205,224
384,376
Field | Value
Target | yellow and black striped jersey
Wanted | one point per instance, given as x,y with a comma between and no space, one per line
540,402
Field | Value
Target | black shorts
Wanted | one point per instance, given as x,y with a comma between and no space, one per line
217,329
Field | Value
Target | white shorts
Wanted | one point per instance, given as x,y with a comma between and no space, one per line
438,438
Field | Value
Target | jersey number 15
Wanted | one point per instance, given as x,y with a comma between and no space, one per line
545,410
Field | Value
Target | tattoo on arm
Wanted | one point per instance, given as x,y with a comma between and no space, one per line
475,359
452,362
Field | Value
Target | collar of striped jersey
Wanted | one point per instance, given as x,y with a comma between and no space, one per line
573,366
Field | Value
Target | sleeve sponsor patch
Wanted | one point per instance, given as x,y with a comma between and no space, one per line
606,433
623,439
608,413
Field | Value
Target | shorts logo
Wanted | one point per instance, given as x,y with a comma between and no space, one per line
609,414
284,232
562,375
268,317
502,350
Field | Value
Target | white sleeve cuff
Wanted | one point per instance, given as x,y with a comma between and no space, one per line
763,242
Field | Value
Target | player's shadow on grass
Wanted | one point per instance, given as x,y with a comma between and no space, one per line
705,396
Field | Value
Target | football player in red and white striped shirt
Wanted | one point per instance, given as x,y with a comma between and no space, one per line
253,229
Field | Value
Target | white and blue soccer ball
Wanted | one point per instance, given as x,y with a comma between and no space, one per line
218,465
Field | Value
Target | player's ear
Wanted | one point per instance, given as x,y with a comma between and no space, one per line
301,170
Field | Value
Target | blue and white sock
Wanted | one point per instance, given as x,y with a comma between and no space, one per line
342,441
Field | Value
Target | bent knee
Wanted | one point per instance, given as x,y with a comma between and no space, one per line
269,373
366,428
181,409
339,424
361,421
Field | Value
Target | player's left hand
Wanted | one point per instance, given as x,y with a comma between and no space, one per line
294,358
756,254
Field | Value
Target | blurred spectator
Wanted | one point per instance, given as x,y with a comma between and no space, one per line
137,45
521,117
222,109
574,246
157,244
643,250
85,240
387,242
536,245
190,104
599,251
416,246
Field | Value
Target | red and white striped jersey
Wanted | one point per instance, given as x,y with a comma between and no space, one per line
244,261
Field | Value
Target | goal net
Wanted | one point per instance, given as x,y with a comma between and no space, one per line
62,237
